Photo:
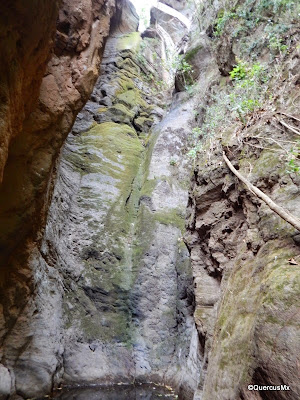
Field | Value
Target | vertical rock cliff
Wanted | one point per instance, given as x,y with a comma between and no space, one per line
245,257
27,36
114,233
107,137
107,296
38,111
46,78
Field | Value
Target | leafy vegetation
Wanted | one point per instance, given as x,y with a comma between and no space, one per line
276,17
254,28
246,95
293,159
183,69
252,12
223,18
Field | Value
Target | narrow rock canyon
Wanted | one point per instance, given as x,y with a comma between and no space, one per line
134,262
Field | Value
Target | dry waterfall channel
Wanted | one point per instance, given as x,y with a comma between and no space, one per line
114,232
148,178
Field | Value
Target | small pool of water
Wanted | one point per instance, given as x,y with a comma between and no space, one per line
117,392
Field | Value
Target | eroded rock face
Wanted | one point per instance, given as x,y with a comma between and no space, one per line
46,79
42,124
27,35
107,297
242,254
170,24
113,235
246,288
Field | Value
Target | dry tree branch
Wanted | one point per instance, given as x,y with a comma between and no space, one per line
261,147
289,116
288,127
274,141
284,214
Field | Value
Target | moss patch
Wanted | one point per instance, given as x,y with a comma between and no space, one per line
267,163
129,42
131,99
190,54
120,109
173,217
254,288
113,153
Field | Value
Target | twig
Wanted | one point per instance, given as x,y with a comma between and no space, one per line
291,219
288,127
277,140
288,115
272,140
261,148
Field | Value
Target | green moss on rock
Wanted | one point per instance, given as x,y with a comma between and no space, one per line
129,42
254,288
190,54
131,99
122,112
143,123
173,217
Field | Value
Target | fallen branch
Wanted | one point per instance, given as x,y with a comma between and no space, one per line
289,116
295,222
288,127
272,140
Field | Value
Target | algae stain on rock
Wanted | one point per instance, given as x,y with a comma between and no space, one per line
113,240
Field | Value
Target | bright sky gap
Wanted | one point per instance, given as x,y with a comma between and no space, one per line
143,8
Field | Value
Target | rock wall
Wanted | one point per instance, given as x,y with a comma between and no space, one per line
245,257
40,102
107,296
114,232
26,40
106,293
46,78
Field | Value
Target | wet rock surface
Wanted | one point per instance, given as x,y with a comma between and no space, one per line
108,292
111,296
246,288
120,392
129,311
26,189
54,74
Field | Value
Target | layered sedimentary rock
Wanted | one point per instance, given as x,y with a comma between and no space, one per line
38,113
115,227
245,257
107,293
46,78
107,297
